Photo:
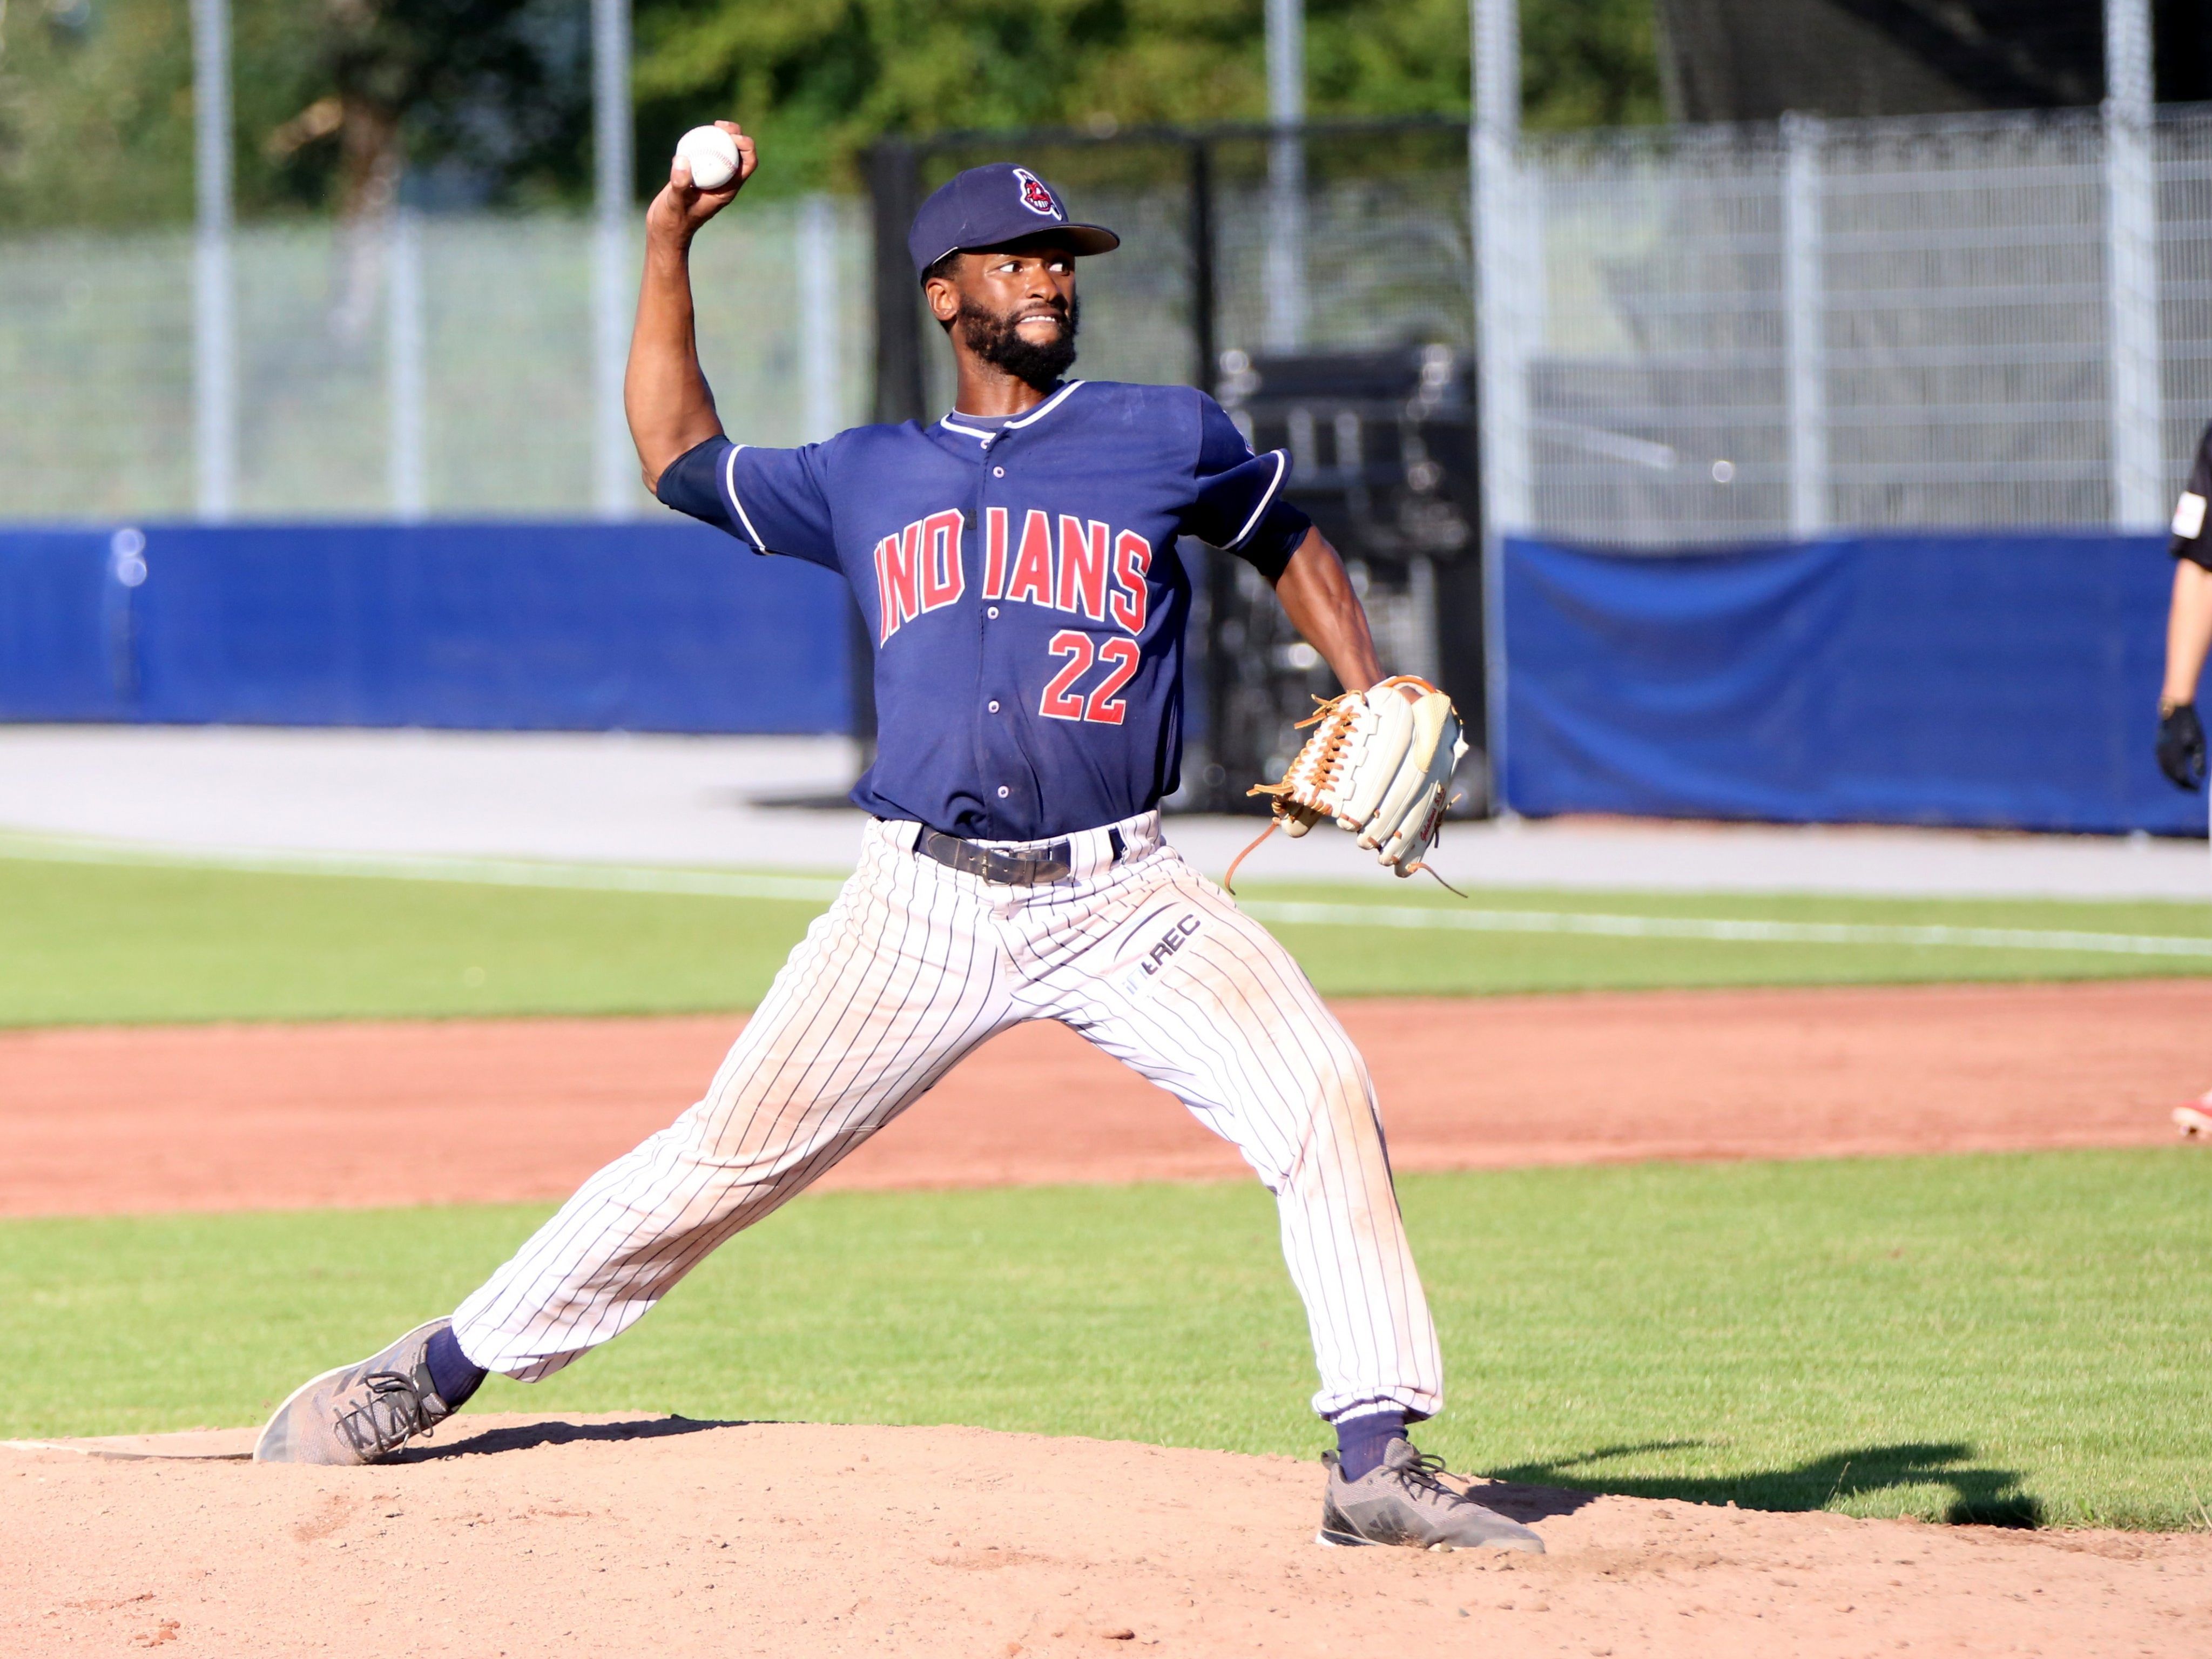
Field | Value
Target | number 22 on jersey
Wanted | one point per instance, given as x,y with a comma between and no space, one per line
1063,702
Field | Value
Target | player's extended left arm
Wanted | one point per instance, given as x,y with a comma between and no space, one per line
1318,598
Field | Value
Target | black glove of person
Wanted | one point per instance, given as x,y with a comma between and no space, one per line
2181,747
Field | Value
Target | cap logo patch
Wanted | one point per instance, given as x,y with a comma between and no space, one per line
1035,197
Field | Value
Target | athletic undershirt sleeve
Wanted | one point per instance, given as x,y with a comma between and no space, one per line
773,499
1237,503
689,483
2192,535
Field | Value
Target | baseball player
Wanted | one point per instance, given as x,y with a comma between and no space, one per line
1016,561
2188,628
2188,637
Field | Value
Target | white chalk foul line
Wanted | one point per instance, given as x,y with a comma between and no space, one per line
1740,932
713,884
407,866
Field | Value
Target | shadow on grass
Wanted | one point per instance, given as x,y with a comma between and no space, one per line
526,1435
1980,1496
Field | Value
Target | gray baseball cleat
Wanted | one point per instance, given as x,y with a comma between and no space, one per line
1401,1501
361,1412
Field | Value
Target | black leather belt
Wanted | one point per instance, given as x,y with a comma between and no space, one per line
1049,863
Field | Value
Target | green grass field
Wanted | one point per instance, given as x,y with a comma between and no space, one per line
1990,1338
130,942
2009,1339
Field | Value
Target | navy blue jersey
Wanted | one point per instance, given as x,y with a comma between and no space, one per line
1022,586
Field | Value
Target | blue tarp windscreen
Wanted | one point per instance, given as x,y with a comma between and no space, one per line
667,627
2001,681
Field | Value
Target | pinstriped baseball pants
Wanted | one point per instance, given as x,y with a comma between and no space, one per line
914,966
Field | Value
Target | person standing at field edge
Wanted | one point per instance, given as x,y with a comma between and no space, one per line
2188,637
2188,628
1017,562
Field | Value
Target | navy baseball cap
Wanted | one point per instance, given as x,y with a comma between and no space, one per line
990,206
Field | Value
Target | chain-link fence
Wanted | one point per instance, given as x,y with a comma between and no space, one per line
1721,333
417,365
1751,332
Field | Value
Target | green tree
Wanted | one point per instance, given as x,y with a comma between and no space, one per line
487,99
490,93
95,113
1583,63
330,101
820,79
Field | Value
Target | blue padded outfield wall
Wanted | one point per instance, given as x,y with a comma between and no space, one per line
1993,680
1979,680
649,627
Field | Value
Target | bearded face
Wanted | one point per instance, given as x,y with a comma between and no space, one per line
998,337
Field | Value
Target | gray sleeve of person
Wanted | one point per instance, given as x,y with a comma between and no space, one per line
2191,540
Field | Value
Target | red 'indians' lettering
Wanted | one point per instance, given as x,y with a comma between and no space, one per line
918,570
1091,572
1095,574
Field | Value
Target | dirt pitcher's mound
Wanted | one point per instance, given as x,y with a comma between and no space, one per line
526,1536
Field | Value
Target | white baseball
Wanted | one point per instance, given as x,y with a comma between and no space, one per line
713,154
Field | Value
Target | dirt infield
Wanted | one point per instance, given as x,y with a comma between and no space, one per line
225,1117
630,1535
647,1537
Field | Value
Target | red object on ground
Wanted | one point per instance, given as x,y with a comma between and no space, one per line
2195,1120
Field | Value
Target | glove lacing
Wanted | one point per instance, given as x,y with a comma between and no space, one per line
1318,782
1313,773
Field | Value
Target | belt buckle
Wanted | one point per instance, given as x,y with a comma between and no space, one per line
1011,871
1045,870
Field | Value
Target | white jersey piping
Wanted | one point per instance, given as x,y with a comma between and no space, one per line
730,488
1282,468
1044,408
1036,414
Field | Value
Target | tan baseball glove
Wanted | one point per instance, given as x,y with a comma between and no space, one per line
1379,762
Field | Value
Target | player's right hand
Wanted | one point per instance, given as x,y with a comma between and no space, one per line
682,207
2181,747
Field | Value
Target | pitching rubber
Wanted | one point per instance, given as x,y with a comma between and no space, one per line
1345,1541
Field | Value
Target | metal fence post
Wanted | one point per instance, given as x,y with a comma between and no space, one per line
1507,488
407,374
614,470
815,253
2131,267
1288,307
215,338
1206,780
1205,351
1804,341
894,193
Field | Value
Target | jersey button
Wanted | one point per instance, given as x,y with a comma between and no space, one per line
995,705
1002,792
993,612
998,472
